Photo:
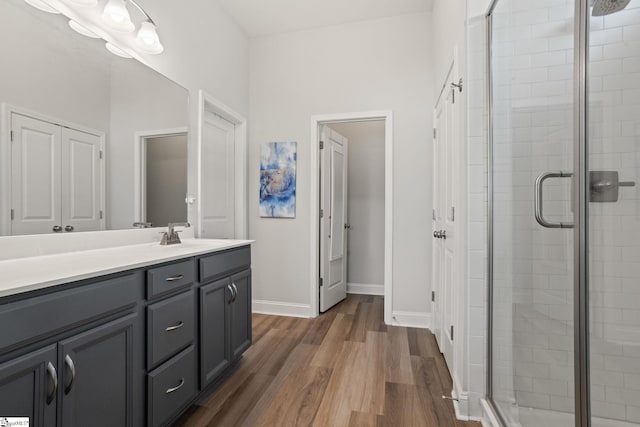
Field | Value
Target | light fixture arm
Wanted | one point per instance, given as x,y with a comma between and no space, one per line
144,12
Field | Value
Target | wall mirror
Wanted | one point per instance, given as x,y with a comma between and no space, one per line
88,140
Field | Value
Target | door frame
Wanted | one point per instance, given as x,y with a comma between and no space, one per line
208,103
140,167
6,110
314,250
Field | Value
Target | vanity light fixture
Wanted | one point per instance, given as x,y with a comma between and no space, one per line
39,4
117,51
86,2
117,16
82,30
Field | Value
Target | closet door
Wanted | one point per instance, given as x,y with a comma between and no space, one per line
81,181
35,176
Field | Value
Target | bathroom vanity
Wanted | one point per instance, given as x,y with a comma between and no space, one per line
122,336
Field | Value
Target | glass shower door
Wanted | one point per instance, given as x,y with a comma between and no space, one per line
614,213
532,160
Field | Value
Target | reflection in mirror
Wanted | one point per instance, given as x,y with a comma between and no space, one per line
88,141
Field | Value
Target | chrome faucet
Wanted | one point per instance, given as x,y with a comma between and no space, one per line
171,237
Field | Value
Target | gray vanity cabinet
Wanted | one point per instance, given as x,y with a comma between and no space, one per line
27,387
215,354
96,376
240,313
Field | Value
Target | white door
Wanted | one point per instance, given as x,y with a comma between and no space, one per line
35,176
218,177
444,225
81,181
333,204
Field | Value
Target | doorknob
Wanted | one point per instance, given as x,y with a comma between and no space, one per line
57,228
436,234
68,228
347,226
443,234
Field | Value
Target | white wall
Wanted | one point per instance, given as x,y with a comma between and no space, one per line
374,65
365,202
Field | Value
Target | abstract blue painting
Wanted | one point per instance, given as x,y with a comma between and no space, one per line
278,179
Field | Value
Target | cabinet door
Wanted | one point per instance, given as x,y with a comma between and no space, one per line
96,378
27,387
241,314
215,300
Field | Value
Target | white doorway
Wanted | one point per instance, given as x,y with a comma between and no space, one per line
329,255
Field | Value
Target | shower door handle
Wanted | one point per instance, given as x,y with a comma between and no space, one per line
538,196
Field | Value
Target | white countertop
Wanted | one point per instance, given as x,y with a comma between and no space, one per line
38,272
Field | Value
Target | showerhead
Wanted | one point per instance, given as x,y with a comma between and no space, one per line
607,7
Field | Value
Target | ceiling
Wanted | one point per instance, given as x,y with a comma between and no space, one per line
265,17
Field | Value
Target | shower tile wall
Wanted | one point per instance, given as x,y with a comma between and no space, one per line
533,277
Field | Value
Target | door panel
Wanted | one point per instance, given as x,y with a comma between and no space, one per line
215,309
27,387
241,314
333,203
96,379
35,175
82,185
218,178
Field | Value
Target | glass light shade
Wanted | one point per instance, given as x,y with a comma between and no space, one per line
86,2
39,4
82,30
117,16
148,40
117,51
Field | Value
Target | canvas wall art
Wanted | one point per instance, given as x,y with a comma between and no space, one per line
278,179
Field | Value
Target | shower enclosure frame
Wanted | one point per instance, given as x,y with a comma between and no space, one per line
580,209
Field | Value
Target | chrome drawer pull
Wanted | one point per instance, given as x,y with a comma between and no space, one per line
174,278
174,327
179,386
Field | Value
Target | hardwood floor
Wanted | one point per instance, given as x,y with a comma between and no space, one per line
344,368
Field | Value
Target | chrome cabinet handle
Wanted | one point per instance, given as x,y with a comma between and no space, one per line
174,278
178,387
231,292
68,228
72,367
57,228
538,196
178,325
235,291
51,370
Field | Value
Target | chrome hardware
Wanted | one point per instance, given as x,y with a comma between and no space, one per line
235,292
179,325
142,225
436,234
174,278
178,387
57,228
347,226
443,234
171,237
538,196
604,186
72,368
440,234
51,370
457,85
68,228
231,292
450,398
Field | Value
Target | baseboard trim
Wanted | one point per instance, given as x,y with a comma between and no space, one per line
365,289
279,308
489,418
411,319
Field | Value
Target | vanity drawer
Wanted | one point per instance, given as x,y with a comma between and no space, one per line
169,278
216,265
170,327
38,317
171,387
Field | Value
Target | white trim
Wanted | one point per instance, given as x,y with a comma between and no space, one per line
411,319
139,167
365,289
208,103
489,418
278,308
314,253
6,110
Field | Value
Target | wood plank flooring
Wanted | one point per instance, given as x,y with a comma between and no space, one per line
344,368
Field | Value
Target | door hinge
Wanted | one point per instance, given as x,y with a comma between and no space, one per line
453,214
435,133
321,213
433,296
433,214
101,214
12,214
101,154
451,332
322,145
11,136
321,282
